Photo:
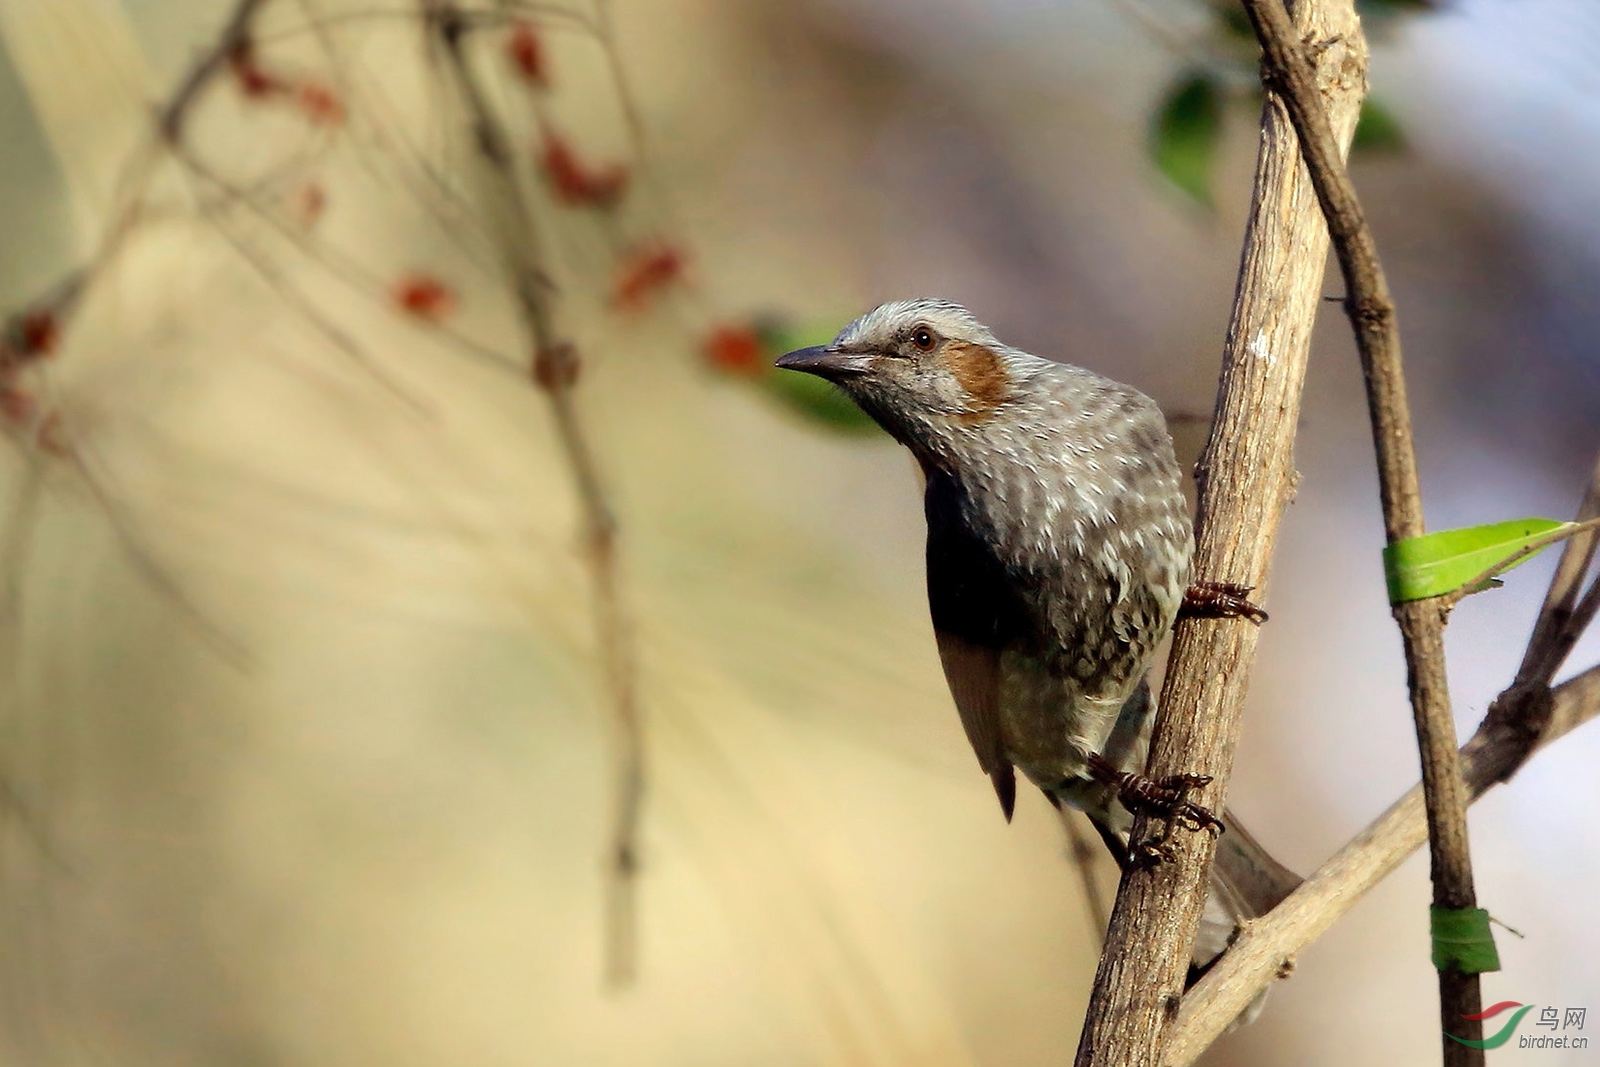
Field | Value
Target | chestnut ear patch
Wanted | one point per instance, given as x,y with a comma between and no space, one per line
979,371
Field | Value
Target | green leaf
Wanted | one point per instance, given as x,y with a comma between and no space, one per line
813,399
780,335
1184,137
817,401
1443,562
1461,937
1377,130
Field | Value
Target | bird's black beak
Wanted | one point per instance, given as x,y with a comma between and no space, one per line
826,362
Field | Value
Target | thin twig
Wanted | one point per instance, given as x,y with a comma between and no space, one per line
554,366
555,370
1086,853
236,34
1190,46
1246,479
1287,69
605,30
64,297
1564,617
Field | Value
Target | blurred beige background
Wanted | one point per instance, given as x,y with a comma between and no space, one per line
300,696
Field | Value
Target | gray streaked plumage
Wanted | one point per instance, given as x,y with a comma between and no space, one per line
1059,544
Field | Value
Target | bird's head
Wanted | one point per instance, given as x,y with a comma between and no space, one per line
925,370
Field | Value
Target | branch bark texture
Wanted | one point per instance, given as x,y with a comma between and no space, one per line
1287,68
1246,479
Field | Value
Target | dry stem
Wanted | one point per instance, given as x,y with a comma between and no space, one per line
1287,69
1565,615
1524,718
236,33
1246,479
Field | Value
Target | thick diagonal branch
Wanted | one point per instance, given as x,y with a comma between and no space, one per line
1287,68
1246,479
1268,946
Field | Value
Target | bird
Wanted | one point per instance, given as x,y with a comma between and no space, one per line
1058,558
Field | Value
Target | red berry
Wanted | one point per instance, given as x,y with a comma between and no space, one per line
736,349
527,54
425,297
644,272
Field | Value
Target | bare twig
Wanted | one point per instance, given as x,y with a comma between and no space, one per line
606,30
1286,68
235,35
555,370
1246,478
1263,948
64,297
1086,853
1564,617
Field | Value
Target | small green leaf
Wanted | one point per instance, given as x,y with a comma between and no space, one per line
778,334
817,401
1462,938
1377,130
1184,137
1440,563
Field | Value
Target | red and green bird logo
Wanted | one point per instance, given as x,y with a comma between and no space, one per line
1504,1033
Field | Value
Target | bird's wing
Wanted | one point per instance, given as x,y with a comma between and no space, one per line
976,614
974,676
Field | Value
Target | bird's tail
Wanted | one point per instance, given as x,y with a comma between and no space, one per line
1246,883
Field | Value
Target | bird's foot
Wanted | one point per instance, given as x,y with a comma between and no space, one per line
1220,600
1166,799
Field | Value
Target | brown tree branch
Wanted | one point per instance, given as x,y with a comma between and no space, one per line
1566,611
1524,718
1246,479
1287,68
1266,948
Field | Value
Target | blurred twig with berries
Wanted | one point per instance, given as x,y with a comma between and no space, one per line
514,184
554,368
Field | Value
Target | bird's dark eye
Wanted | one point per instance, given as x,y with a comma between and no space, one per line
922,337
